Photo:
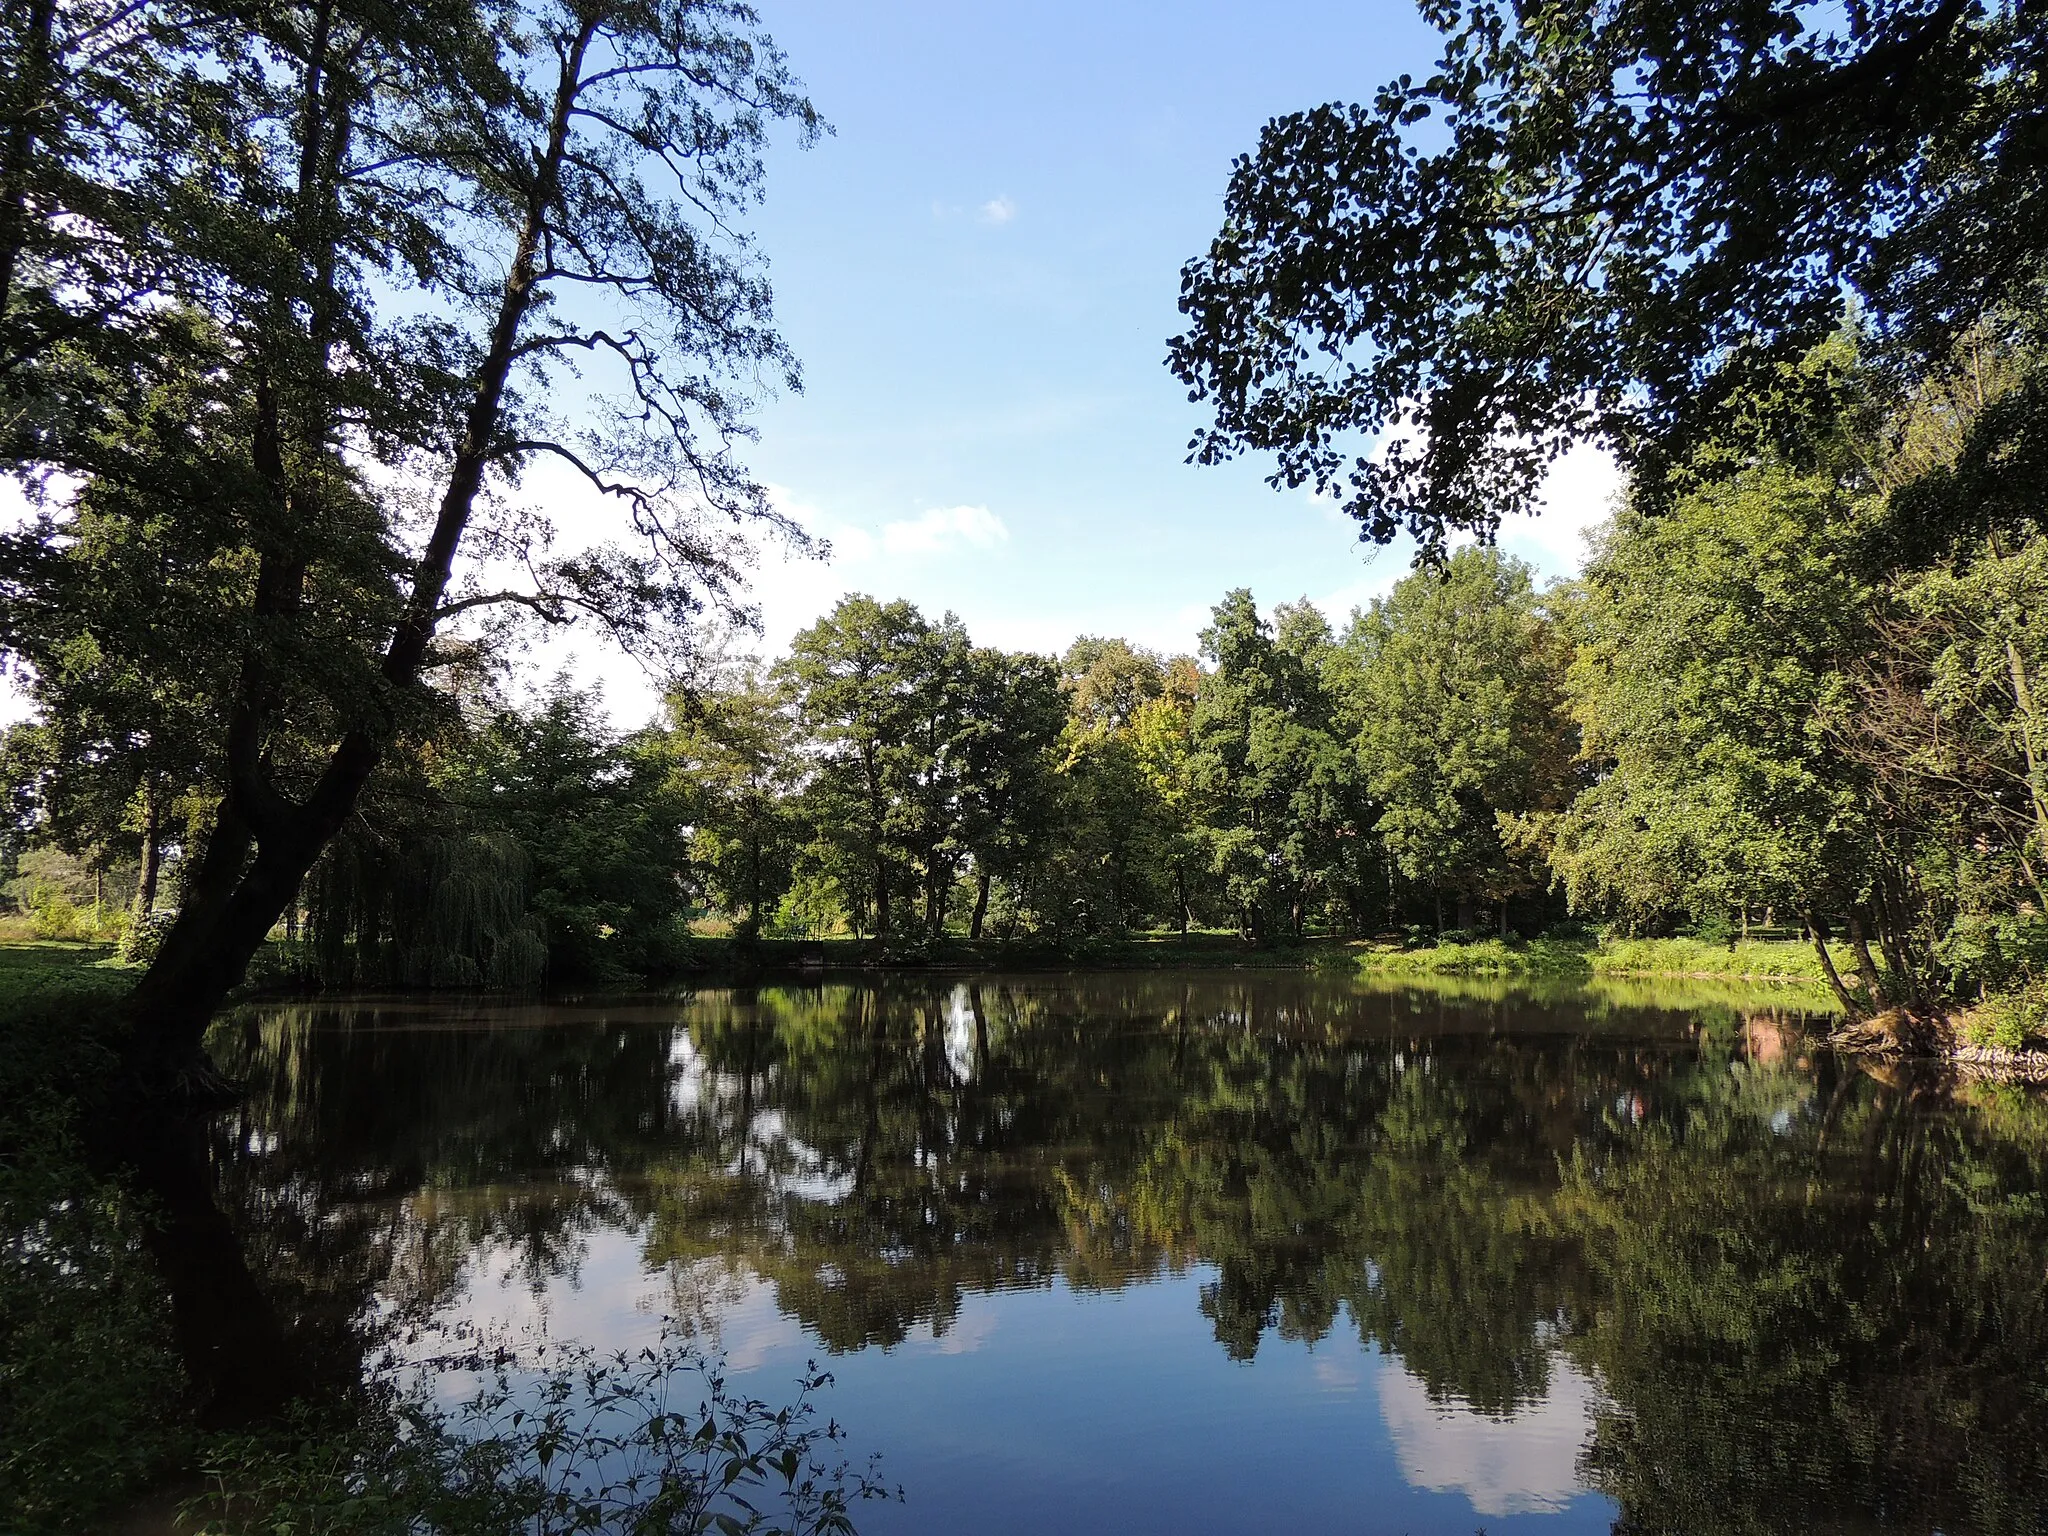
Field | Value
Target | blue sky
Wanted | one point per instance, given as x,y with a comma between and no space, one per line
979,272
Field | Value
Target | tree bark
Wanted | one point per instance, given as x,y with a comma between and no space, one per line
981,884
1874,978
1817,930
152,838
753,927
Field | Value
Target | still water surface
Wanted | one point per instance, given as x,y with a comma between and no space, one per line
1232,1252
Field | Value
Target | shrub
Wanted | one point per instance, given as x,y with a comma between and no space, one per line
52,914
2011,1019
142,939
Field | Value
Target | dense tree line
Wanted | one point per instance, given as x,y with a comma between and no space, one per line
1753,709
1809,652
1800,682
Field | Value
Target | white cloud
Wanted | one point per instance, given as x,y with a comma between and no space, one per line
1578,496
998,210
943,529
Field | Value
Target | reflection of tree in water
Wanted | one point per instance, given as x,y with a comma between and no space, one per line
1803,1291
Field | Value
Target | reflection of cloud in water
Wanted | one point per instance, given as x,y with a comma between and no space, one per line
1334,1375
1527,1464
966,1334
768,1148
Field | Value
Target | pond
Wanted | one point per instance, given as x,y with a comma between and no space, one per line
1220,1252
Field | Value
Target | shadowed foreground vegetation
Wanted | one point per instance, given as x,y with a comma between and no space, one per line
116,1376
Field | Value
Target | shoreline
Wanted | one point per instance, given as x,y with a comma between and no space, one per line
1942,1039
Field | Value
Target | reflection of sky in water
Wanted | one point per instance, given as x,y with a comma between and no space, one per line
1526,1464
1050,1409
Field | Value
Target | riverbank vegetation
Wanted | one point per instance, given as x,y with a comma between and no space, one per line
1742,716
1746,960
274,426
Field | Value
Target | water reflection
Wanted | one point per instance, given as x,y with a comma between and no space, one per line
1649,1246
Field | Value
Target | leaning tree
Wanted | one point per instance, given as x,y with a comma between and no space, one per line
391,258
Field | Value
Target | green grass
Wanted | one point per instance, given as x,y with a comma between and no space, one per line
45,972
1483,957
1139,951
1753,961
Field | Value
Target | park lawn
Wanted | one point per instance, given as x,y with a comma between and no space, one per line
44,972
1750,960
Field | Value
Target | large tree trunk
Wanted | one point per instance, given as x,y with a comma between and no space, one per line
981,883
223,923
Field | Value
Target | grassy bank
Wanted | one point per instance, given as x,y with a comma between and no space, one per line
1748,961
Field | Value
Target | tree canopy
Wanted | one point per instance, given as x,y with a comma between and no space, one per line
1626,223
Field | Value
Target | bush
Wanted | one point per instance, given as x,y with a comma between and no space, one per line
1997,953
2010,1020
143,938
52,914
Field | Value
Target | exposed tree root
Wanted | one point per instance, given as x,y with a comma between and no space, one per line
1899,1034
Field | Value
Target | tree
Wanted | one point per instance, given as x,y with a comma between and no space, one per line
514,845
383,301
732,752
1273,785
1628,223
1164,733
1717,643
854,676
1009,794
1109,680
1455,694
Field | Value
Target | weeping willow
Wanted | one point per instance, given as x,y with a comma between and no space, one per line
424,911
